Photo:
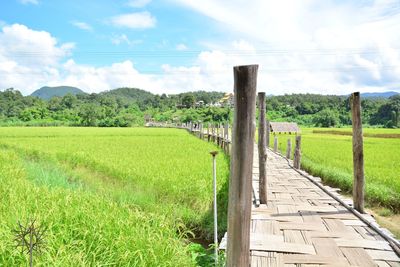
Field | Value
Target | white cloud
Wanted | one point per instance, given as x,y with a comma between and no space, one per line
138,20
31,48
27,2
138,3
123,38
30,59
244,46
307,46
181,47
82,25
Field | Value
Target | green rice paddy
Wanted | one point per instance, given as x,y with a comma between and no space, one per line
109,197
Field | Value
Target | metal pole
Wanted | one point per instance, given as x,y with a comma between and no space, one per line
214,153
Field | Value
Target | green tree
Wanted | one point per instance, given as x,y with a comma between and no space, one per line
89,114
326,118
188,101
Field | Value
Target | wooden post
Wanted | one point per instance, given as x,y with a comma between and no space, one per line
221,134
240,184
212,132
191,127
208,132
358,153
275,144
201,130
226,137
268,133
217,133
289,148
297,153
262,149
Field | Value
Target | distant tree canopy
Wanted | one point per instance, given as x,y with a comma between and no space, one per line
126,107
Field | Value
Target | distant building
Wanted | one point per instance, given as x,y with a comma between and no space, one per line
148,118
284,127
199,104
217,104
227,100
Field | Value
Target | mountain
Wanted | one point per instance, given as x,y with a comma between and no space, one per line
379,95
48,92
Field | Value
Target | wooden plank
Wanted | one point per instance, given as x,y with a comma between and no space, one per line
364,233
313,259
293,236
283,247
333,234
316,208
382,255
353,223
261,237
267,258
382,263
363,243
336,225
301,226
267,227
326,247
339,215
358,257
269,217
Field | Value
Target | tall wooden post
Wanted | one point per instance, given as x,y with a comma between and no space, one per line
268,132
297,153
262,145
289,148
240,184
201,130
275,144
358,153
214,153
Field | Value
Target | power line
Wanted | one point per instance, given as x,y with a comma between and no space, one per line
191,53
221,72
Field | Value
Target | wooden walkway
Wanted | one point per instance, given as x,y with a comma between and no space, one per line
301,225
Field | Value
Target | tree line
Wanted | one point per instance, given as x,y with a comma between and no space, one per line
126,107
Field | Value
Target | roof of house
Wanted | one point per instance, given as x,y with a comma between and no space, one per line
226,97
284,127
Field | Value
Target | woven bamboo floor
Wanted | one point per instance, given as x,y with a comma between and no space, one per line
301,225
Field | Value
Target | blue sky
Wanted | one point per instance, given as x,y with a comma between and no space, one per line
170,46
98,41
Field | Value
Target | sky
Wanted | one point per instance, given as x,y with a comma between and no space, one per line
172,46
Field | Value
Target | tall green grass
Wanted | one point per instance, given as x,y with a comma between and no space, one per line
155,180
84,229
330,157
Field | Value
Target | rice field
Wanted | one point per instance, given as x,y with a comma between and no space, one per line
328,154
109,196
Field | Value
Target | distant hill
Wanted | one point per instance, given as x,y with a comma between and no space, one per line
129,93
48,92
379,95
